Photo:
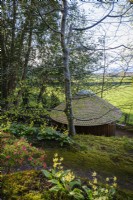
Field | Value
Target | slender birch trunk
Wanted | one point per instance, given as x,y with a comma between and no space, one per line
65,51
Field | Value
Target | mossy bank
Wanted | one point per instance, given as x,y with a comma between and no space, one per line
109,156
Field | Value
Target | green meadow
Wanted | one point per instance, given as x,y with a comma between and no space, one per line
122,97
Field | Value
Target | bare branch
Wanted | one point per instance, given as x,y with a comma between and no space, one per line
121,14
106,49
98,22
48,24
106,16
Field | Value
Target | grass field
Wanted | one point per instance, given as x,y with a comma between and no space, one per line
122,97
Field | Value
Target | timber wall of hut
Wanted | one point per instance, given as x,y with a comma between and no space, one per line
106,129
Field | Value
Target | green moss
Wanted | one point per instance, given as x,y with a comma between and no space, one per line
124,195
33,195
22,184
99,153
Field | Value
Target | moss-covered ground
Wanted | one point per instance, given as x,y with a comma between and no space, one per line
109,156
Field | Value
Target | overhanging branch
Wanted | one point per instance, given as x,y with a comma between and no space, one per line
106,49
102,19
98,22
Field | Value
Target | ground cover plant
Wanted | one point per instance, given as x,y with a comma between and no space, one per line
35,134
64,181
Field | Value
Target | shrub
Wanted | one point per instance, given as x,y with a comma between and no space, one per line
43,133
49,133
21,130
19,152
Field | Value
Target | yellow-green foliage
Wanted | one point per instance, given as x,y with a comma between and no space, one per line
23,185
33,196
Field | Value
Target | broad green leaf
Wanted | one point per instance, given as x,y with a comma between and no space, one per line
56,188
77,182
54,181
47,173
76,193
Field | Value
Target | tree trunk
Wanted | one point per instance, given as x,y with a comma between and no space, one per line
104,68
3,72
42,90
12,63
28,51
65,51
25,64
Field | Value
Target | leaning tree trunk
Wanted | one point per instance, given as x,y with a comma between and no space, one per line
65,51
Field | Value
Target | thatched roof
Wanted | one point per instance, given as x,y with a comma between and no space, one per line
89,110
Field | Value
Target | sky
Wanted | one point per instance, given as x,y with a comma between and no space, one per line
114,31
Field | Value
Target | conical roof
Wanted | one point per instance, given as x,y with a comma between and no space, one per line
88,110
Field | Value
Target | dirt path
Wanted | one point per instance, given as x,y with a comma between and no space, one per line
121,132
